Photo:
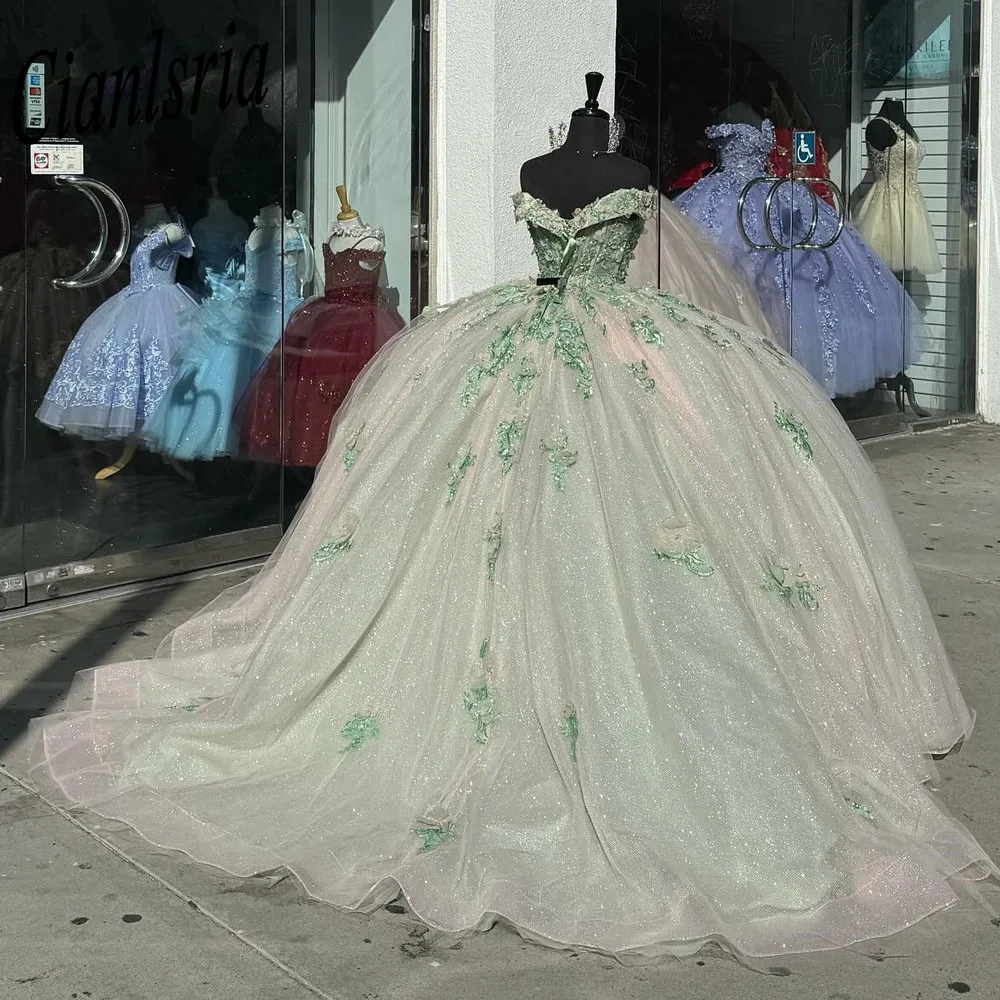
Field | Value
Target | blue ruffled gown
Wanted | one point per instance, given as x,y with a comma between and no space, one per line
243,322
119,365
846,315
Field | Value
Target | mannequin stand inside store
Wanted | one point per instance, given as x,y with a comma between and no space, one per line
582,169
153,215
881,135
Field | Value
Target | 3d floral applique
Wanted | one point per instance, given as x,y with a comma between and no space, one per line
561,459
433,834
570,728
524,378
494,540
509,435
794,588
352,449
640,372
795,429
339,538
860,808
645,329
458,471
681,544
501,353
358,730
572,349
479,703
713,334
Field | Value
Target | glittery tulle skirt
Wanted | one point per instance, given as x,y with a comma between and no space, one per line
120,363
196,417
286,413
848,319
595,622
676,255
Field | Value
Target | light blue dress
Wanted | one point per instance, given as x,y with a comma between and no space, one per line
242,322
119,365
847,317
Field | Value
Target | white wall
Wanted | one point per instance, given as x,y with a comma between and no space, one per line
988,356
505,71
363,115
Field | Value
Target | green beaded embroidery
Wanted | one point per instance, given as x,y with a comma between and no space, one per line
692,558
352,450
645,329
860,808
716,337
479,704
484,649
524,378
640,372
434,835
584,297
673,307
357,730
329,549
572,349
571,730
793,590
501,353
792,426
540,327
494,539
458,472
560,458
340,538
508,438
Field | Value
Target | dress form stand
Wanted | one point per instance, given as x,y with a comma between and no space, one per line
582,170
349,232
154,214
881,136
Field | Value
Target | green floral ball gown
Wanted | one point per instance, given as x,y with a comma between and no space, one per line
595,622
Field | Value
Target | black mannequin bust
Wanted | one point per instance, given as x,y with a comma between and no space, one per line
879,134
582,170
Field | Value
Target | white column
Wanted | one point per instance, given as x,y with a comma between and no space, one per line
505,71
988,324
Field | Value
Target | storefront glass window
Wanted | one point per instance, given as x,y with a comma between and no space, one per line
867,269
212,214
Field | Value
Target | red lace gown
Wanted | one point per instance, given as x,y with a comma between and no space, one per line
327,341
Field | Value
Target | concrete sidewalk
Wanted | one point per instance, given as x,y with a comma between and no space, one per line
95,913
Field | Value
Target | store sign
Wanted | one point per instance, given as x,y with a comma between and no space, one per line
57,156
805,149
154,87
932,60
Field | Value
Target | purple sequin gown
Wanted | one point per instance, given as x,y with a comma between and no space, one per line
119,365
847,317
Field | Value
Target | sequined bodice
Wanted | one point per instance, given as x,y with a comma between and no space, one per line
154,260
596,244
898,165
352,276
272,266
743,149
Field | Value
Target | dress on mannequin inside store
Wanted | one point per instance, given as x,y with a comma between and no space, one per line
595,623
848,319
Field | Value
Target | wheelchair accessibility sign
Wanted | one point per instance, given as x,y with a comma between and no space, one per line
804,150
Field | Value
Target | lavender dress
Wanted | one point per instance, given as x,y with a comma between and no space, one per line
119,365
847,317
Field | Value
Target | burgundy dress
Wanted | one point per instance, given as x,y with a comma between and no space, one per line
327,341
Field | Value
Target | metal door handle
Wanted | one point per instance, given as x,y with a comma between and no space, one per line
776,246
85,278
